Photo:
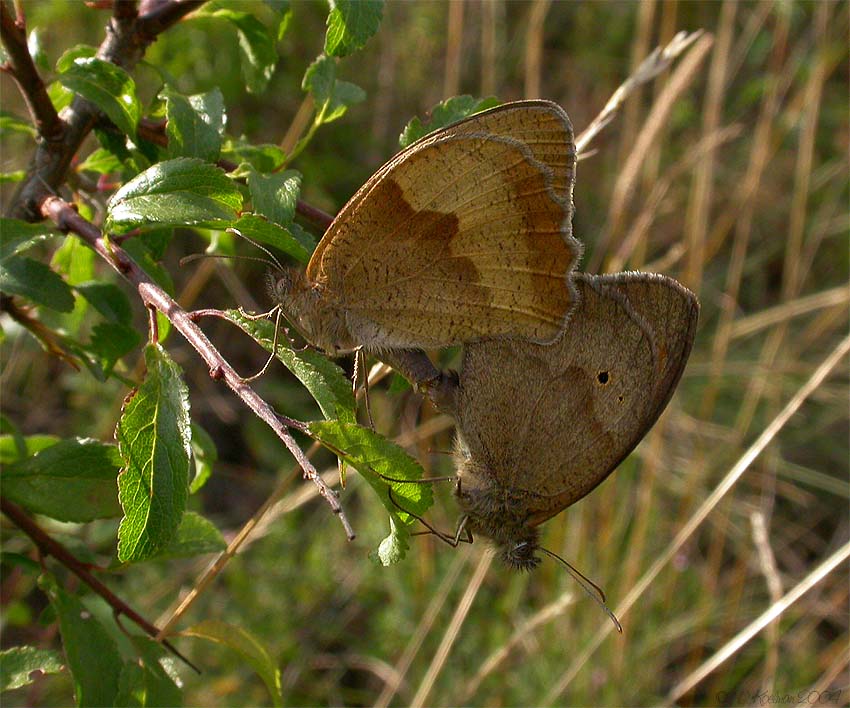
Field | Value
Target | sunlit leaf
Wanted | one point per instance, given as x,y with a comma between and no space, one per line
153,437
183,191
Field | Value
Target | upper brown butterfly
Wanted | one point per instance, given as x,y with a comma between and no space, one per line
463,235
540,426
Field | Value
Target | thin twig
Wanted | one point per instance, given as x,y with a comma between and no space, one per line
50,547
64,216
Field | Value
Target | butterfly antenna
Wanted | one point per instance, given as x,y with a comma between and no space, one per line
273,352
257,245
591,588
422,480
231,256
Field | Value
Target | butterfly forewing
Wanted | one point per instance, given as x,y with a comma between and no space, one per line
465,234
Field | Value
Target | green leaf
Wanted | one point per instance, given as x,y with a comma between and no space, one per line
69,56
108,299
92,655
59,96
17,663
395,546
112,340
35,281
377,459
153,437
256,45
195,536
332,97
350,24
263,158
73,480
12,124
12,443
17,236
292,240
12,177
204,455
157,241
15,447
178,192
139,252
109,87
101,161
74,260
274,195
325,381
146,682
345,95
247,646
283,8
445,113
35,46
319,79
194,124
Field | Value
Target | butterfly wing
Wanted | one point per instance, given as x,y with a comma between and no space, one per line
552,422
464,234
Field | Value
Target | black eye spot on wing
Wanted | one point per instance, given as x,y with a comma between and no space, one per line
602,377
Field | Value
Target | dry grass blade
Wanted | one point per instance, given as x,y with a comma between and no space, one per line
742,217
425,625
655,121
250,528
698,214
660,59
495,660
767,563
834,297
640,227
768,616
731,478
791,276
452,631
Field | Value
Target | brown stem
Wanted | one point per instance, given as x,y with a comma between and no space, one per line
67,218
127,37
26,76
51,341
313,215
50,547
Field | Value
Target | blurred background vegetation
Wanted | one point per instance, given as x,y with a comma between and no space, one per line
735,183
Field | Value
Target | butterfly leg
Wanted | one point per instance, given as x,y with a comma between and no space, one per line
416,367
413,364
360,366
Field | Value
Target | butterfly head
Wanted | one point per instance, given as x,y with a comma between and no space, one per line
318,321
496,513
521,555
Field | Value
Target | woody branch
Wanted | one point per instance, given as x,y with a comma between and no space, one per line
60,136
